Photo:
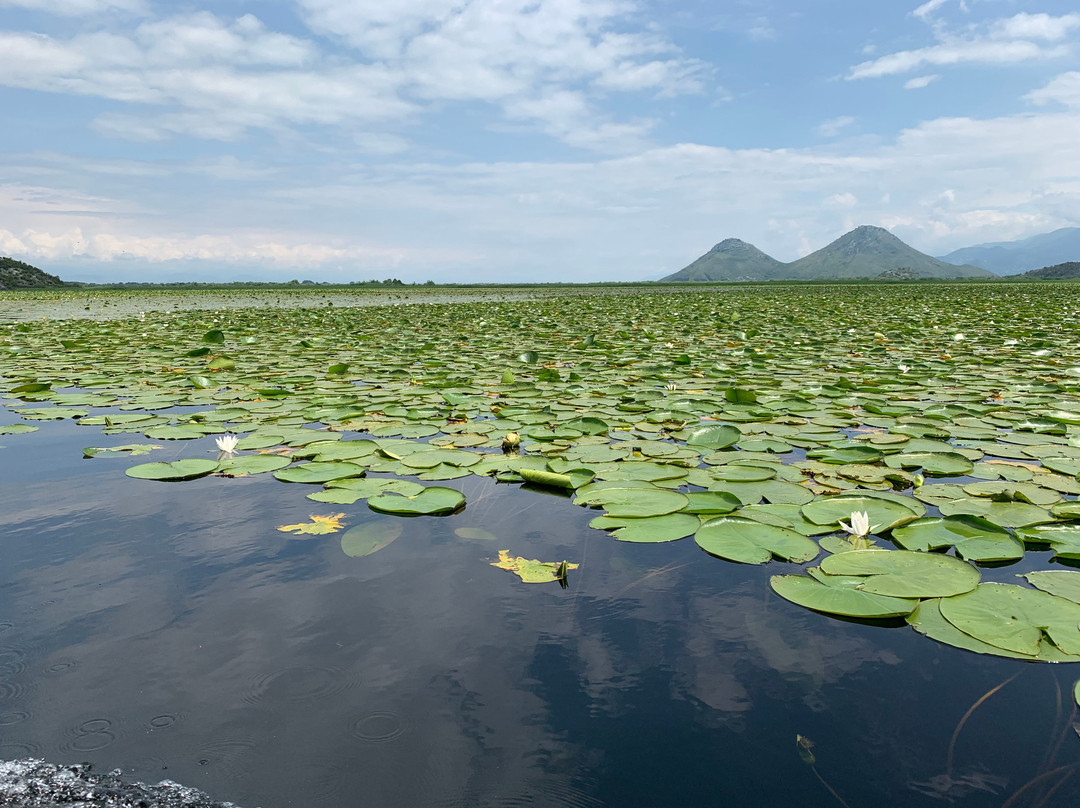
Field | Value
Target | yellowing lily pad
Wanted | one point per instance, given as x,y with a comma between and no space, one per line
318,525
532,571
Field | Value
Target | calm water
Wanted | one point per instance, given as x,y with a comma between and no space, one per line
170,630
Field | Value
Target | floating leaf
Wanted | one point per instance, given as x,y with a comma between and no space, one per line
649,529
318,525
319,472
432,501
974,538
1016,619
17,429
751,542
1063,583
244,465
532,571
713,436
837,599
904,574
927,619
884,513
132,449
187,469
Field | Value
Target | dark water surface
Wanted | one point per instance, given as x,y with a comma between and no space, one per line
168,629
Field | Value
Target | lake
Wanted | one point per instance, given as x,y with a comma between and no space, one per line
171,630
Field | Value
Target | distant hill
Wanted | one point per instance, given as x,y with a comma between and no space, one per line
17,275
731,260
1012,257
1067,271
865,252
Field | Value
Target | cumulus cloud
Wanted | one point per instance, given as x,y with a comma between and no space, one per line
1063,89
213,78
1020,38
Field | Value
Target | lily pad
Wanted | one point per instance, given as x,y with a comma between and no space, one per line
1015,618
368,538
187,469
884,513
905,574
751,542
842,600
432,501
317,472
1063,583
974,538
532,571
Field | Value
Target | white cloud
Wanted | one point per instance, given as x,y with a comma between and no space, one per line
928,8
833,126
1021,38
548,62
1036,26
77,8
1062,89
919,82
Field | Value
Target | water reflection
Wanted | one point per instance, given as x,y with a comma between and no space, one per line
171,630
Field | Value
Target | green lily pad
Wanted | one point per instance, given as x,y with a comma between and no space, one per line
751,542
252,464
474,533
974,538
17,429
1064,538
1015,618
905,574
884,514
432,501
636,502
1005,514
712,436
187,469
319,472
1063,583
649,529
842,600
927,620
363,540
936,464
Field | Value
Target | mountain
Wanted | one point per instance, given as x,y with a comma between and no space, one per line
1058,272
868,251
731,260
865,252
1011,257
17,275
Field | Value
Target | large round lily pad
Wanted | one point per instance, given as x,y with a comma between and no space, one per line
317,472
884,513
905,574
187,469
363,540
841,600
432,501
974,538
751,542
1015,618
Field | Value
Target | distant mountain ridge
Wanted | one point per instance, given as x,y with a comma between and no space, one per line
1067,271
865,252
18,275
1012,257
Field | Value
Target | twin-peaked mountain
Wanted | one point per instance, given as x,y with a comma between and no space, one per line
865,252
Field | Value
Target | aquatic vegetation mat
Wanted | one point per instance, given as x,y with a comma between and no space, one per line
906,441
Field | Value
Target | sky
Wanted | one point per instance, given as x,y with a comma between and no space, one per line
522,140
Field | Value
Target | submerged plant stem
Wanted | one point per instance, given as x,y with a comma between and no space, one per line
1035,780
964,720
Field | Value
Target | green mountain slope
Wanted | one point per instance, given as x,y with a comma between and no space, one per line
1067,271
731,260
18,275
865,252
868,251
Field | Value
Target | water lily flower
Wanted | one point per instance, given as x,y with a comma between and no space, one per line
903,368
511,441
227,443
958,337
860,524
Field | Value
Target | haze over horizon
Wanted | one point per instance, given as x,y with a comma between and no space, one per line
522,140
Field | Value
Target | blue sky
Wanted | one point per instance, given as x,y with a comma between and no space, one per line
522,140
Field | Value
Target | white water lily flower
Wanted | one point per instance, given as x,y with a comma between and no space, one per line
958,337
903,368
227,443
860,524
